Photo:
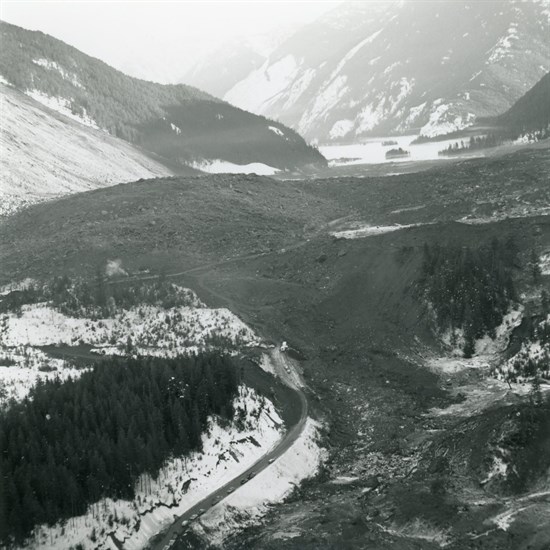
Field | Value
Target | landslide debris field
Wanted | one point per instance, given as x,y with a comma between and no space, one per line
404,472
182,222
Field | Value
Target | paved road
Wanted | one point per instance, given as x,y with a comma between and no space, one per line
181,524
285,371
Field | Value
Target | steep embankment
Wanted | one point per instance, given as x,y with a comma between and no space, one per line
46,154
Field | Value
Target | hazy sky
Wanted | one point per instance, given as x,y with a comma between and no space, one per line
157,38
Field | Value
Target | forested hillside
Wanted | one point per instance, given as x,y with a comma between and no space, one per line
179,123
531,112
70,444
470,289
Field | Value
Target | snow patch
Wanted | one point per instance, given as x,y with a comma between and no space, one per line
341,128
63,106
352,53
444,121
54,66
175,128
502,48
371,230
264,84
22,367
329,95
369,117
276,130
249,503
152,330
218,166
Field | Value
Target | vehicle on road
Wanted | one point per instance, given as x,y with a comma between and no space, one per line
184,523
243,481
271,460
230,490
251,475
193,517
201,511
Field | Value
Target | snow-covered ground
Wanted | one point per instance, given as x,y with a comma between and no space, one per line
217,166
486,388
516,211
227,452
370,231
22,367
250,502
372,151
535,352
171,331
152,330
487,349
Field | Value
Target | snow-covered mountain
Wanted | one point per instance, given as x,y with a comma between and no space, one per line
182,125
401,67
45,154
219,70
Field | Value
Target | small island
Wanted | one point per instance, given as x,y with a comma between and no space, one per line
397,153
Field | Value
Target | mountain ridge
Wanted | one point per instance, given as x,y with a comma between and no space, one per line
179,123
531,111
400,67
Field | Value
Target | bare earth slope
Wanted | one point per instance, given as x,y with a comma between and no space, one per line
45,154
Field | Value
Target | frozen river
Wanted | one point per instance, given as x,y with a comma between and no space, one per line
372,151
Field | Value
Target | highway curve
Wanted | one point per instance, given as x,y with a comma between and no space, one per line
286,371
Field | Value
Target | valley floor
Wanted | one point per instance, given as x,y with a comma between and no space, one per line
417,440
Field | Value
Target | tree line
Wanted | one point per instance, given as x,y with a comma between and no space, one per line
475,143
98,297
70,444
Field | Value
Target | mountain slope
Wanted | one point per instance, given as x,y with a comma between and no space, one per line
529,112
375,68
45,154
179,123
219,71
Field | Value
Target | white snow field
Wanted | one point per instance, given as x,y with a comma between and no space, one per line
359,230
372,150
217,166
152,330
22,367
227,452
249,503
45,154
